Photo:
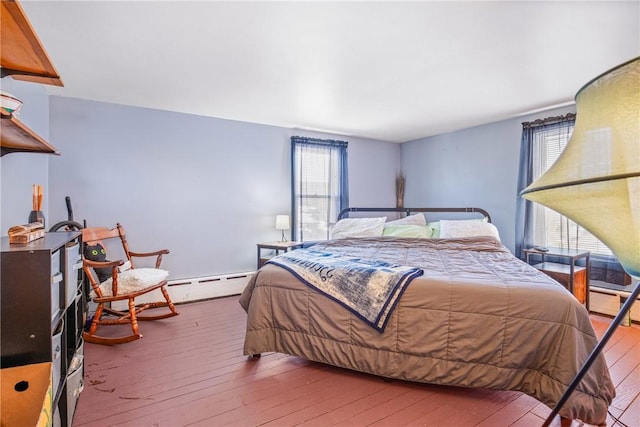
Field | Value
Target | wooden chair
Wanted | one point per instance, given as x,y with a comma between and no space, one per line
122,285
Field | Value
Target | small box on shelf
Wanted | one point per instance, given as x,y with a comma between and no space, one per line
27,390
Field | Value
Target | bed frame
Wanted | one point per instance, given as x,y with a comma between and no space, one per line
408,211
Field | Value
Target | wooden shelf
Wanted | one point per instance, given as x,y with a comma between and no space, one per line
578,282
43,311
22,57
554,267
562,273
16,137
22,54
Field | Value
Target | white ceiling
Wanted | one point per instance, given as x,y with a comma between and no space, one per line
383,70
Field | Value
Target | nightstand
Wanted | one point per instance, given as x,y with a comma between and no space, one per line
277,247
574,277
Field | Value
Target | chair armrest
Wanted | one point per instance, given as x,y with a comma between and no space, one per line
102,264
157,254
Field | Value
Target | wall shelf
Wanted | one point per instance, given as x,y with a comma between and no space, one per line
16,137
22,57
22,54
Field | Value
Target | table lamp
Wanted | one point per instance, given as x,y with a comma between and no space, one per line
596,180
282,223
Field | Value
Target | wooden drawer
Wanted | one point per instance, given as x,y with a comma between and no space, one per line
73,264
56,357
562,273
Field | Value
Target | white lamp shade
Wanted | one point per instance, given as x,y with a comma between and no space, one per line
282,222
596,180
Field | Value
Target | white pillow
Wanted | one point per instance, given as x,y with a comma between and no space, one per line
134,280
417,219
467,228
358,227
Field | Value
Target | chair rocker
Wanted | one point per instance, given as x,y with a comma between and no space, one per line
117,285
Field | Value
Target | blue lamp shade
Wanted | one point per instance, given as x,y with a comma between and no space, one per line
596,180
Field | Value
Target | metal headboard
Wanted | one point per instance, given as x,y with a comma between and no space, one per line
408,211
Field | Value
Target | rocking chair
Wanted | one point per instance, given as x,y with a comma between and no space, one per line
112,282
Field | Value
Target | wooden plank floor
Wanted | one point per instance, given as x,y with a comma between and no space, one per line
189,371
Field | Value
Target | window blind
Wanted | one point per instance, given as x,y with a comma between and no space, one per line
550,228
319,186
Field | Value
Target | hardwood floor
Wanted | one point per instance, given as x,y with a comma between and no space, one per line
189,371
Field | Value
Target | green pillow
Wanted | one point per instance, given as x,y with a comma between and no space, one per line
416,231
435,229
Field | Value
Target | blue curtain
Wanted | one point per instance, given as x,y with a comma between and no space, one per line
320,185
603,267
524,208
524,211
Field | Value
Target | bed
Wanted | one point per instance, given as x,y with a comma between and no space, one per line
472,316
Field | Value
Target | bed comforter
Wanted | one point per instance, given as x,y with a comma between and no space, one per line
478,317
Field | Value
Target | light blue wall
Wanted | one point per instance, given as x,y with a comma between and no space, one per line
208,189
19,171
475,167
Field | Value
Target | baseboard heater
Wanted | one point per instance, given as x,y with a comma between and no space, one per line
196,289
608,301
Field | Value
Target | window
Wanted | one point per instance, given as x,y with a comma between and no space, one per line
319,186
547,139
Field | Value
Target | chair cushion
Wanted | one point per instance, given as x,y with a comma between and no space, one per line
134,280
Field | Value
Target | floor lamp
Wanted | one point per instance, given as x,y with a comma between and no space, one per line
596,180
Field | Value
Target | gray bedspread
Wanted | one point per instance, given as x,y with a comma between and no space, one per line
478,317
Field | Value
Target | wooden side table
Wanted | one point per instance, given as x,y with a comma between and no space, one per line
277,247
574,277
